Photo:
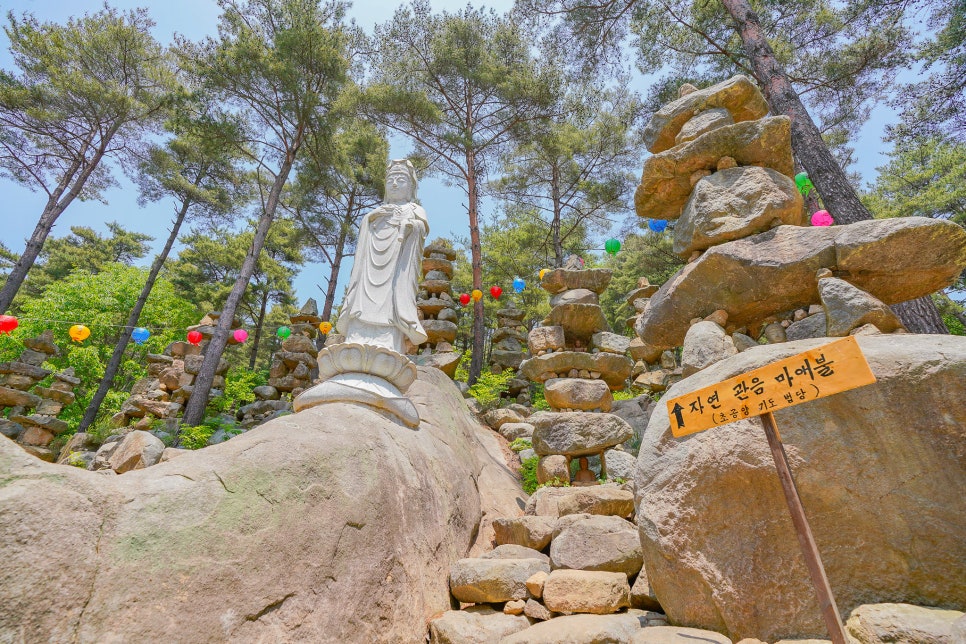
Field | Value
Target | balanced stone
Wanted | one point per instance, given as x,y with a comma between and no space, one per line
773,272
704,344
577,433
735,203
666,179
578,393
575,296
738,95
613,369
563,279
703,122
529,531
610,342
545,338
553,467
439,330
848,307
608,500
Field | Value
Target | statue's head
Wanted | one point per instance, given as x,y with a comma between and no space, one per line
401,181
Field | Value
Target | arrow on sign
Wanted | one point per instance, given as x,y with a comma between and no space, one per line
678,416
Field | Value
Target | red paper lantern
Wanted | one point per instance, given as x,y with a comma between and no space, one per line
8,323
496,292
465,299
194,337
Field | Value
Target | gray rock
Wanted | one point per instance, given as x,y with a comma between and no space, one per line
811,327
635,413
705,344
137,450
582,629
528,531
879,623
575,296
536,610
620,464
744,342
593,542
265,392
703,122
775,333
848,307
512,431
513,551
474,625
559,280
497,418
578,393
610,342
579,321
735,203
608,500
862,478
577,433
584,591
492,580
552,467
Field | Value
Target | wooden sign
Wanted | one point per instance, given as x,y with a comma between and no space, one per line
816,373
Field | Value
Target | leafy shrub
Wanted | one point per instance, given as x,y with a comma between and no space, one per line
539,399
238,391
528,474
520,444
489,386
76,460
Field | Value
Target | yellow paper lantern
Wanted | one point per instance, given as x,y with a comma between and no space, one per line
477,295
543,271
325,327
79,333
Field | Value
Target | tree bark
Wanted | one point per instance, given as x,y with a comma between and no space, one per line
90,414
555,224
194,412
838,195
337,256
258,329
476,258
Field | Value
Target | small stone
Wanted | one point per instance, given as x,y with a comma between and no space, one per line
136,450
876,623
496,418
775,333
545,338
848,307
642,595
552,467
514,607
698,175
513,551
578,393
726,162
743,342
535,583
719,317
474,625
823,273
536,610
705,344
513,431
595,542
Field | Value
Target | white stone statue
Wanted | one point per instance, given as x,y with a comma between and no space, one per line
380,303
379,313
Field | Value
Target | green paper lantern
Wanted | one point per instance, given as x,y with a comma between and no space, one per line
612,246
803,183
283,332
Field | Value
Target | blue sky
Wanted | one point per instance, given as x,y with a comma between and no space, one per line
198,18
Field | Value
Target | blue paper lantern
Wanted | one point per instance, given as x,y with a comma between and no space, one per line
140,335
519,284
657,225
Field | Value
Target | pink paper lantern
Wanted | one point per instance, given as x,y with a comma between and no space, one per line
240,335
822,218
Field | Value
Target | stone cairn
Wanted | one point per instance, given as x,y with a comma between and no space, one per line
509,351
293,370
572,563
579,361
295,366
162,394
723,170
19,394
437,310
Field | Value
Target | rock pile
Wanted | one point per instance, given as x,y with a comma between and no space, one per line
509,350
579,361
437,310
723,169
162,394
19,394
570,569
293,368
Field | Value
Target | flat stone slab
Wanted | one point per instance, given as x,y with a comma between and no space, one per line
585,591
563,279
613,369
607,500
739,95
527,531
17,398
474,625
773,272
577,433
666,179
593,542
579,321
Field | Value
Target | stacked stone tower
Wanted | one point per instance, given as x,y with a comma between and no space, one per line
437,310
579,362
723,170
509,350
19,394
296,365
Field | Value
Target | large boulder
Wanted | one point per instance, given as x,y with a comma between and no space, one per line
734,203
880,623
577,433
137,450
271,536
705,344
719,548
774,272
584,591
582,629
666,181
847,308
477,581
578,393
592,542
475,625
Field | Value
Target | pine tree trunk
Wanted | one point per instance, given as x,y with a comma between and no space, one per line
338,255
476,258
838,196
555,224
194,412
253,358
90,414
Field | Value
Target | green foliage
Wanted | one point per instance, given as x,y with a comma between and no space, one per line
647,255
539,399
528,474
75,459
196,436
520,444
239,386
489,386
101,301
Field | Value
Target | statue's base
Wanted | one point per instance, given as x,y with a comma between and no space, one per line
364,389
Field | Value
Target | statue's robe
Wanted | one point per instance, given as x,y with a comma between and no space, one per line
380,303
